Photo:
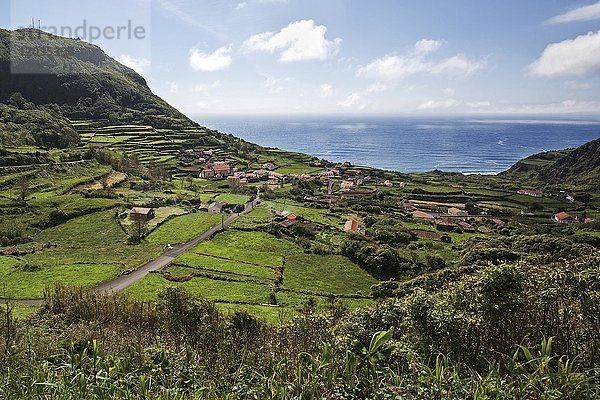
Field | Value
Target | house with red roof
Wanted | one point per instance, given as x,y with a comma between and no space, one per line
564,218
457,212
142,213
217,171
423,215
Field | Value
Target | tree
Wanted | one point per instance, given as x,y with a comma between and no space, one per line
140,229
23,187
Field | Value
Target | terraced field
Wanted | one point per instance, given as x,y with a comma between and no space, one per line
258,270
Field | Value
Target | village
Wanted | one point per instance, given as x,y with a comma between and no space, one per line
343,182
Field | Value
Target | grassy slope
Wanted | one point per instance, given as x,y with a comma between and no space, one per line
183,228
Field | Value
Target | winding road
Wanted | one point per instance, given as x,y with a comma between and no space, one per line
126,280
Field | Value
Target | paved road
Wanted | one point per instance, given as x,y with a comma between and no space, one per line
124,281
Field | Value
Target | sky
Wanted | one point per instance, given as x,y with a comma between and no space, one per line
392,57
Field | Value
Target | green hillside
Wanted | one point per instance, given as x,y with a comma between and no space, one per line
580,166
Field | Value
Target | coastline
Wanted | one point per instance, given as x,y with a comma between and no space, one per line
411,145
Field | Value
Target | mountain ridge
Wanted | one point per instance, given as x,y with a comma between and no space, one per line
79,77
579,165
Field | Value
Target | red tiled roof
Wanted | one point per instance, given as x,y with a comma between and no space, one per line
422,214
141,210
221,168
292,216
562,215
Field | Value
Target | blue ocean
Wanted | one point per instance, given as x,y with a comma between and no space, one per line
466,145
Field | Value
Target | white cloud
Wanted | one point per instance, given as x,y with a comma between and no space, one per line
391,67
241,5
586,13
353,100
276,85
173,87
457,66
479,104
397,67
437,105
205,88
449,92
377,87
564,107
218,60
299,41
577,56
426,46
326,90
139,65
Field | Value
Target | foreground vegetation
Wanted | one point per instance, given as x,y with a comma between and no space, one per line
481,336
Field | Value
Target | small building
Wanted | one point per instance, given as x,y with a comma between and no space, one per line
215,207
457,212
466,227
588,220
221,171
269,166
142,213
564,218
444,226
388,183
261,173
351,226
485,230
232,180
217,171
347,184
498,222
332,173
409,207
276,175
423,215
531,192
207,173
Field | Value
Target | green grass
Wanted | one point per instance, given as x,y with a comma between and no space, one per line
18,283
322,216
259,216
88,250
298,169
183,228
20,311
231,198
252,247
208,264
326,274
210,289
162,213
